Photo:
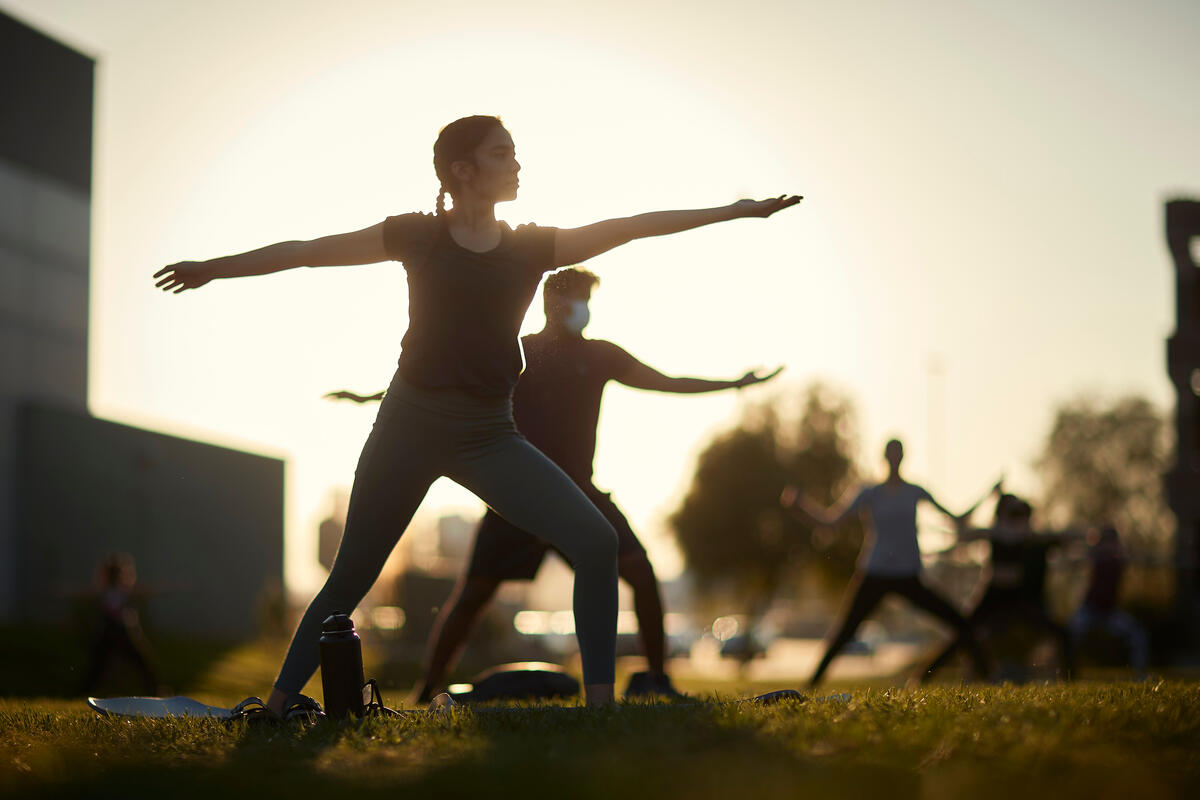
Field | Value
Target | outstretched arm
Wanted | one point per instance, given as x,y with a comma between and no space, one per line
995,490
573,245
343,249
793,500
640,376
343,394
960,520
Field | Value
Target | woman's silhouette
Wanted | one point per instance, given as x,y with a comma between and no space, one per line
448,411
890,562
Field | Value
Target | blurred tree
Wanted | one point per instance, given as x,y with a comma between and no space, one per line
1105,463
736,539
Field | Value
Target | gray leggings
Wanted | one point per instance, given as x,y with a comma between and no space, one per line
421,435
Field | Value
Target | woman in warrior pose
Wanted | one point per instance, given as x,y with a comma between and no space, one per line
448,411
891,559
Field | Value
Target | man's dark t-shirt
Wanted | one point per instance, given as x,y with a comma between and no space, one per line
1020,566
556,404
465,308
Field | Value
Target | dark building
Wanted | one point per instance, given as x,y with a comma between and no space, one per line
203,523
1183,365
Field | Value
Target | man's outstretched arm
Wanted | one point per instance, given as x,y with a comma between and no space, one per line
343,394
640,376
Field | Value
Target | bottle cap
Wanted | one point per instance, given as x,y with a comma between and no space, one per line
337,622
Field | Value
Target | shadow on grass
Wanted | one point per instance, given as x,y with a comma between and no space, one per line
528,753
1093,740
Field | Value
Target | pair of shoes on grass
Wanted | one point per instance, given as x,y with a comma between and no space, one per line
296,707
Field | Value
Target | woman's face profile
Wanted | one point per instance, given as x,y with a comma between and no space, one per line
494,173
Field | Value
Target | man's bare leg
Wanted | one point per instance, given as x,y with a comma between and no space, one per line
449,634
647,603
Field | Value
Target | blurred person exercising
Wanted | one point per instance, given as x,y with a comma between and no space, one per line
1099,610
448,411
119,633
556,406
890,561
1015,590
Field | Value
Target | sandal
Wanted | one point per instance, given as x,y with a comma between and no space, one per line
252,709
302,707
298,706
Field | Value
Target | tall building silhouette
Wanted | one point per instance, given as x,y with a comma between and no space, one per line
1183,365
204,523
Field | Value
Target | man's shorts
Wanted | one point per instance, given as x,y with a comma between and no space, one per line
507,553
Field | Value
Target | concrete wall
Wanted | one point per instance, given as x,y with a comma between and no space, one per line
203,523
45,211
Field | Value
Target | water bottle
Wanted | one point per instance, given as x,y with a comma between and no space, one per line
341,667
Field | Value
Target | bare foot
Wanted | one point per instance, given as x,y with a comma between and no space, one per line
276,700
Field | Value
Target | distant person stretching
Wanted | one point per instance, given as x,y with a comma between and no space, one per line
448,411
556,406
1015,591
890,561
120,631
1099,610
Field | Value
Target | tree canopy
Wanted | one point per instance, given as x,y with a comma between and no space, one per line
1104,463
733,533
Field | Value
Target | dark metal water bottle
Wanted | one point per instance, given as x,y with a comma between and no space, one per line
341,667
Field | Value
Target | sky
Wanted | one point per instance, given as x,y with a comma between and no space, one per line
981,237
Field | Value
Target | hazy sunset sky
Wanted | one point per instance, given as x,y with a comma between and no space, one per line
983,191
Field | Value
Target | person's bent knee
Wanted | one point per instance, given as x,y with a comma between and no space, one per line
596,549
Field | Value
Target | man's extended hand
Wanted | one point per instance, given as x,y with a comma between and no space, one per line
342,394
752,377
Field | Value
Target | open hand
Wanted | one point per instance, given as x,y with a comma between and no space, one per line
765,208
752,377
184,275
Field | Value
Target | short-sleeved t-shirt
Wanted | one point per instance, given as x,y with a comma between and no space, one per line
556,404
891,548
465,308
1019,565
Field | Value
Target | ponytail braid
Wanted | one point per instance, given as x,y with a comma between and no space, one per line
441,201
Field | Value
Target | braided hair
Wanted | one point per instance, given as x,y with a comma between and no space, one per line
457,142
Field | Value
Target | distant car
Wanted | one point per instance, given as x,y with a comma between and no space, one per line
742,646
870,635
859,647
739,638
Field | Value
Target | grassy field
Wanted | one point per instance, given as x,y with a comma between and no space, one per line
1094,739
1084,740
